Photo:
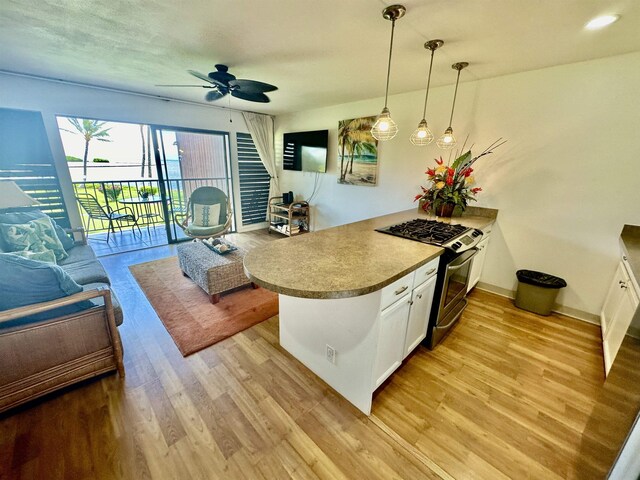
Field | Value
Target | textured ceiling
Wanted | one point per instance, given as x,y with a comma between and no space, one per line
318,52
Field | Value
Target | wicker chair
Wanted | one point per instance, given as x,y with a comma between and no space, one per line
208,214
95,211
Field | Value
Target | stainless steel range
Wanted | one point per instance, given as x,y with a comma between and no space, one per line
453,273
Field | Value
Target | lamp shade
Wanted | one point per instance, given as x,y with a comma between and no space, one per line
384,128
12,196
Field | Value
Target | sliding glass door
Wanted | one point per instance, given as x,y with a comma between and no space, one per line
187,159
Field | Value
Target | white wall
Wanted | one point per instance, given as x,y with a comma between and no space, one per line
54,98
565,183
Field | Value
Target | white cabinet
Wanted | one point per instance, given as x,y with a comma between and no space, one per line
614,297
421,301
478,261
405,307
368,335
393,325
618,311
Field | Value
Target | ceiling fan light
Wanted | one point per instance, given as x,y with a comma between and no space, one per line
421,136
384,128
447,141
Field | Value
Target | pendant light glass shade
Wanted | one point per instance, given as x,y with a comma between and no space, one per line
422,136
447,141
385,128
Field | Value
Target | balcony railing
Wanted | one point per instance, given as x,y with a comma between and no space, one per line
149,211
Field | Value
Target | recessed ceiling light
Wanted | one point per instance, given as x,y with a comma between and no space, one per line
600,22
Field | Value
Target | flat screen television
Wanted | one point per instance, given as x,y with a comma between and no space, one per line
306,151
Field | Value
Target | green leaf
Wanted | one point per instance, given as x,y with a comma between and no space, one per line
461,160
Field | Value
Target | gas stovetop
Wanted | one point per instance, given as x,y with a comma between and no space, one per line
456,237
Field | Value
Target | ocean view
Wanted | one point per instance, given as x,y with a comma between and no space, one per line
119,171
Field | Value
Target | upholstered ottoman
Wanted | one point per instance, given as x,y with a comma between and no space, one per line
214,273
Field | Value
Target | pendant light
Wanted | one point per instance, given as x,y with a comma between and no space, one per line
422,135
385,128
447,141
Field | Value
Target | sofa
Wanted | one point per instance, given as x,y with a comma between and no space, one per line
58,319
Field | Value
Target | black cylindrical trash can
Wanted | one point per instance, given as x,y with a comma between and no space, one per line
537,291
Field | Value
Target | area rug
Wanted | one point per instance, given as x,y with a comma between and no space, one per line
184,308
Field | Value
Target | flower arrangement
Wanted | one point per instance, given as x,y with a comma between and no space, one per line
452,185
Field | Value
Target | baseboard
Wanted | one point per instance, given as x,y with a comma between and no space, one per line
503,292
255,226
561,309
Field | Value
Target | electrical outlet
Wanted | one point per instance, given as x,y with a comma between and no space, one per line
331,354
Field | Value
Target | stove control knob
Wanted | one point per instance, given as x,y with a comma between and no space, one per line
455,246
476,233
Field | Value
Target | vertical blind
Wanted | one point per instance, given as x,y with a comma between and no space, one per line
254,181
26,158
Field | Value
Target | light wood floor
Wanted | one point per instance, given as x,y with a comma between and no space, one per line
506,395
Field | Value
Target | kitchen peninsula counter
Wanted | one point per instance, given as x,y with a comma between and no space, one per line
353,302
348,260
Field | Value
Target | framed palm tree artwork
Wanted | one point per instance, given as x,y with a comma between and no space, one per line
357,152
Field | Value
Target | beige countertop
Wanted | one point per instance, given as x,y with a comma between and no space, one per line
346,261
630,243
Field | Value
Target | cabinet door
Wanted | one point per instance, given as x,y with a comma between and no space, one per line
619,324
422,299
612,302
477,264
391,335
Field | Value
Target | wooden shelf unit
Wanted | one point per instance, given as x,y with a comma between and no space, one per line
292,215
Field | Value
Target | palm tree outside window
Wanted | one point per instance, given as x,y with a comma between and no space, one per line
89,129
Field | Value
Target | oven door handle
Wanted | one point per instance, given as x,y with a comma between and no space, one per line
463,259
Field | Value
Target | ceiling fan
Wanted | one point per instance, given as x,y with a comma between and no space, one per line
224,83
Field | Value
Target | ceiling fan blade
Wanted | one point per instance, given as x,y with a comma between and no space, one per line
252,86
214,95
201,86
199,75
251,97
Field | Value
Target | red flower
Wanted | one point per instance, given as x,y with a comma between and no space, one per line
449,180
450,171
425,206
439,161
476,190
467,171
431,172
418,197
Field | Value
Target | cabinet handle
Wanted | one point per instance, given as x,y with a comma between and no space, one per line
430,271
623,285
624,257
401,289
410,302
419,296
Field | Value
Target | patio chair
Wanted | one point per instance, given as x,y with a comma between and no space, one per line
95,211
208,214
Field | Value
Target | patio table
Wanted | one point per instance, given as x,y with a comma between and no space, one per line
139,203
